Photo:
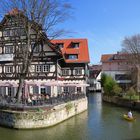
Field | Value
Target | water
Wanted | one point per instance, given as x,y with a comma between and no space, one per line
101,122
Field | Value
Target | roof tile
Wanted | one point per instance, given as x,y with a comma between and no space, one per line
82,51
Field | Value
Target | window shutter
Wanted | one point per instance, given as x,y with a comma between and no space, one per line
35,90
48,89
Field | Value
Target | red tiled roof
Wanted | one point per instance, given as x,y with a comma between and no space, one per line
106,57
82,51
118,57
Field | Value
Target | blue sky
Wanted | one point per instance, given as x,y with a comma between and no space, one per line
104,23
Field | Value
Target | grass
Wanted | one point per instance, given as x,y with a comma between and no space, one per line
134,97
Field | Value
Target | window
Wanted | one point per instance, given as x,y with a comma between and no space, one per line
122,77
46,68
38,68
73,56
42,68
6,33
9,91
37,48
65,72
11,32
19,68
43,90
8,69
78,89
78,71
8,49
22,32
66,89
60,45
75,45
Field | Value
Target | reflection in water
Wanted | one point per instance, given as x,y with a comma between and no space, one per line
100,122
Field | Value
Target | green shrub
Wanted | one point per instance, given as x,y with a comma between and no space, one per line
131,92
103,79
68,106
117,89
110,86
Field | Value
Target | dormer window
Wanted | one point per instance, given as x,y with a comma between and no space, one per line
72,56
60,45
75,45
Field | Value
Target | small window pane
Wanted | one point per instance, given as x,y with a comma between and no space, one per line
8,69
78,71
73,56
65,72
45,68
38,68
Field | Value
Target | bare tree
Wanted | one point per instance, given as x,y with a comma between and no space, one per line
131,46
44,17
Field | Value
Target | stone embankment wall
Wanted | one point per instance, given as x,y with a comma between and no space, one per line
42,118
122,102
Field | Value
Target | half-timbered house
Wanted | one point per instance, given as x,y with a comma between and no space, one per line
57,66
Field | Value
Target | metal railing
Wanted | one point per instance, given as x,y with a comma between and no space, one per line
8,102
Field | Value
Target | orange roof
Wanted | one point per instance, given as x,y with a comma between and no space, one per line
118,57
81,51
106,57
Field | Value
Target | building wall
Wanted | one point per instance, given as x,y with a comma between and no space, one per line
114,66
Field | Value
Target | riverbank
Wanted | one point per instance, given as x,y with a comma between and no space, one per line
135,105
42,118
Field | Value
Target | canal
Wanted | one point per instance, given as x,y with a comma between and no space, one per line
101,121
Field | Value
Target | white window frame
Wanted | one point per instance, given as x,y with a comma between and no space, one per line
65,72
8,69
46,68
78,71
38,68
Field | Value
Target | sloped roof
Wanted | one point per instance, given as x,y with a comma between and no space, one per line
82,51
118,57
95,67
106,57
15,12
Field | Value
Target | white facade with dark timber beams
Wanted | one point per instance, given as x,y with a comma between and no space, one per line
59,66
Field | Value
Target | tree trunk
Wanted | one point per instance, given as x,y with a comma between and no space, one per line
19,91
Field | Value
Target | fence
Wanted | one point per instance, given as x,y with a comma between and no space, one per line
37,102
